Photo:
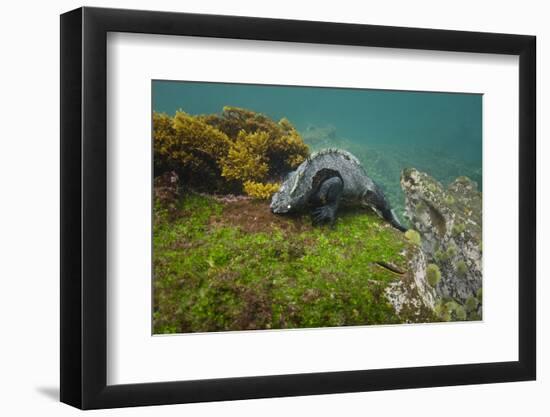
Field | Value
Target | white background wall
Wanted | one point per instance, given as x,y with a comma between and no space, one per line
29,225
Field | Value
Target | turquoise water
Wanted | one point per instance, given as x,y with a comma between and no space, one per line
439,133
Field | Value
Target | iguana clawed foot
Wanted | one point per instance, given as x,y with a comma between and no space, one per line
323,214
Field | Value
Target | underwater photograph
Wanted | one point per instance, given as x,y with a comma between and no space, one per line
291,207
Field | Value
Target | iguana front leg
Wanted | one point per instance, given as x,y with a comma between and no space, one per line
327,200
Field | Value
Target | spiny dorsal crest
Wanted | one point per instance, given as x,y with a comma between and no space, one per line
302,168
328,151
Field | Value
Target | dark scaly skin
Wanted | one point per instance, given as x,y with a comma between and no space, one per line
327,179
329,197
327,200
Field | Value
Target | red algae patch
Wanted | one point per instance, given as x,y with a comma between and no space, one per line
254,216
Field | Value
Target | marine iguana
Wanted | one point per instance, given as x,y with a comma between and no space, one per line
327,179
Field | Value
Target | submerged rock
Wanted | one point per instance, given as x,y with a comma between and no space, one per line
450,223
411,296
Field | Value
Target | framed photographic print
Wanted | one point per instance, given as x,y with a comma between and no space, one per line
257,208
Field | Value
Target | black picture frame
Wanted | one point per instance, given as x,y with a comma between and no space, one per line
84,207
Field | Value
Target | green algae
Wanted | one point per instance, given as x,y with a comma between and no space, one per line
215,273
433,274
413,236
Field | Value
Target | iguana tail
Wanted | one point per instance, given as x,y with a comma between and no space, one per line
377,199
392,219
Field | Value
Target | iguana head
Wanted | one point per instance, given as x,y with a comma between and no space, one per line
288,198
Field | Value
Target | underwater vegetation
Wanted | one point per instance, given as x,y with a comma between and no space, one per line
222,261
461,268
235,151
190,147
216,270
259,190
452,310
413,236
433,274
